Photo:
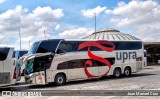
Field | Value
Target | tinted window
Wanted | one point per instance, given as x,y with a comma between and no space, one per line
70,46
121,46
127,45
84,49
77,64
48,46
81,63
3,53
67,46
63,65
22,53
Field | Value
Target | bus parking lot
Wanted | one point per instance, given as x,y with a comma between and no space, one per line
147,79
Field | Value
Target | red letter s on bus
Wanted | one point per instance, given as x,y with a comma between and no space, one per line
99,45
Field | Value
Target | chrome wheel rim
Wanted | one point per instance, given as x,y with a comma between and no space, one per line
60,80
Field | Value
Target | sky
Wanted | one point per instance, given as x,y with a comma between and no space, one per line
74,19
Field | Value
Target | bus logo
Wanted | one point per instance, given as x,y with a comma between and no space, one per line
101,45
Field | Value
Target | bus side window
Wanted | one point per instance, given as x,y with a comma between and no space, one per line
62,47
80,42
63,65
67,46
77,64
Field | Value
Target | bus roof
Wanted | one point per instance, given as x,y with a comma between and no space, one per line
22,50
97,40
86,40
6,46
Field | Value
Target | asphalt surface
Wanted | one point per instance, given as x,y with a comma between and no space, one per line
147,79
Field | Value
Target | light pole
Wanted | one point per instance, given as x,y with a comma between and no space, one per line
20,37
45,34
95,24
29,44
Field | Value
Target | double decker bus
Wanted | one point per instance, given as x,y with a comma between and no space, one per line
62,60
7,67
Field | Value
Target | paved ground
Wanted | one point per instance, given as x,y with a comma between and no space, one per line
148,79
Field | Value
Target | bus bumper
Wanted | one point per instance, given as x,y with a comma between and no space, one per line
35,79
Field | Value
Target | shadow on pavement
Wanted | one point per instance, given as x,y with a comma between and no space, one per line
18,86
90,81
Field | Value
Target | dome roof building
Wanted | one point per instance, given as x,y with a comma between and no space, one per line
111,34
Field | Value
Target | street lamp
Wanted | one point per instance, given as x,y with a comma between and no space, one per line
95,23
95,20
20,37
29,44
45,34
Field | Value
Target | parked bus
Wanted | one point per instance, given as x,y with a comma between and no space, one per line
60,60
19,69
7,67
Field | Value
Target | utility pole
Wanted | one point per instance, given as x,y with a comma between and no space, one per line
95,23
155,37
45,34
29,44
20,37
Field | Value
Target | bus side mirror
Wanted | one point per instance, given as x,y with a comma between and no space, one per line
50,57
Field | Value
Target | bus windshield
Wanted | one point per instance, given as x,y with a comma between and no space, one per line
33,50
44,46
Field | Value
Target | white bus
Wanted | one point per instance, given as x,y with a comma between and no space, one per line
19,68
60,60
7,67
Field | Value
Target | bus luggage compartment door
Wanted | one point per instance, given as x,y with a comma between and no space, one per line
5,78
139,63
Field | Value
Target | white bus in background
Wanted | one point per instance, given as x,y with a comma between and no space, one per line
60,61
19,68
7,67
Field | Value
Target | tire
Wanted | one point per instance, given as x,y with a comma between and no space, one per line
60,79
117,73
127,72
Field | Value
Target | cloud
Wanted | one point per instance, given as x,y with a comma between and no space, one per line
90,12
31,24
1,36
141,16
2,1
57,26
75,33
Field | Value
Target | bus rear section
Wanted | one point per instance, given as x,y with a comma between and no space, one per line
68,63
7,67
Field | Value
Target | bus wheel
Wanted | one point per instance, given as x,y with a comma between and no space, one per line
117,72
60,79
127,71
